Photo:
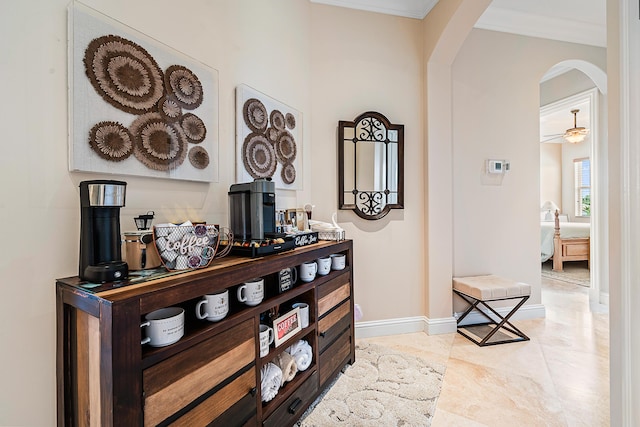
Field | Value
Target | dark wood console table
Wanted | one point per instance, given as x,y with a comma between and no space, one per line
211,376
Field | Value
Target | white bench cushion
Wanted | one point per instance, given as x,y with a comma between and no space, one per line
490,287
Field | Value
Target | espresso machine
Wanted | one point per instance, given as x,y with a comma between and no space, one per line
100,242
252,208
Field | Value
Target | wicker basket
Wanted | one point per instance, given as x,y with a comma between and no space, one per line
183,247
336,235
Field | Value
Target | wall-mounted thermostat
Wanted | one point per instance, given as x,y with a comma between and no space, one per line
497,166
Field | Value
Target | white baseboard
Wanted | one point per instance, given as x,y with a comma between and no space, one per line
445,325
379,328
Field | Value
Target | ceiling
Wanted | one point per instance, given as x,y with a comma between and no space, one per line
576,21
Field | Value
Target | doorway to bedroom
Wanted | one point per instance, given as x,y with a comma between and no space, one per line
572,115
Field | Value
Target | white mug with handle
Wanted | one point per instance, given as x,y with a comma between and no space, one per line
308,271
251,292
266,339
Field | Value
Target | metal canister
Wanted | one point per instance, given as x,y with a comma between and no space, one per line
140,251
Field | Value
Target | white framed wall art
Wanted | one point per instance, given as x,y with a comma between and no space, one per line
268,140
137,106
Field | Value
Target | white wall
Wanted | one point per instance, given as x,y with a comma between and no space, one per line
364,61
551,174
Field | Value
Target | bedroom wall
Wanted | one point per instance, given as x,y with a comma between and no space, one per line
551,174
496,115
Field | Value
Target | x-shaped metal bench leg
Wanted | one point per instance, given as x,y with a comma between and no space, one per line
503,324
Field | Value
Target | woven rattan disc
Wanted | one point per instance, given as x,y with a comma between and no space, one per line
185,85
169,108
255,115
277,120
258,156
123,73
198,157
290,120
288,173
193,128
111,141
157,144
286,148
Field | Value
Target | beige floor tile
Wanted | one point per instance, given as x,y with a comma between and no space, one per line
559,378
492,396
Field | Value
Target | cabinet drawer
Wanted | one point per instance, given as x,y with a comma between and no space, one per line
233,405
332,360
174,383
291,409
327,295
328,321
332,299
329,335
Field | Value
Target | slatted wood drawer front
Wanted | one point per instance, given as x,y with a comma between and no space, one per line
332,293
334,358
333,325
291,409
173,384
225,401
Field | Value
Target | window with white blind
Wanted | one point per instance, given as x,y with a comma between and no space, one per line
582,186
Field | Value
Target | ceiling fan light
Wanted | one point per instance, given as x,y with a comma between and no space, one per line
575,136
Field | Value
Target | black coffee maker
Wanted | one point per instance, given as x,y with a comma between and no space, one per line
100,243
252,210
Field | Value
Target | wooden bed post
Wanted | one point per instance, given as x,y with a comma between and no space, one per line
557,244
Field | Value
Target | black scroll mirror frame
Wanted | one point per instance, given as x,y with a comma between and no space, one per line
376,129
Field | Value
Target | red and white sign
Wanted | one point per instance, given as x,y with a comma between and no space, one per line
286,326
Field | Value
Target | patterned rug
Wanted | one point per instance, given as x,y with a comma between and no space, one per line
384,387
575,272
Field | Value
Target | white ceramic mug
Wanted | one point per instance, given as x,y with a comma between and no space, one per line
164,326
213,307
304,313
308,271
266,339
324,265
338,261
252,292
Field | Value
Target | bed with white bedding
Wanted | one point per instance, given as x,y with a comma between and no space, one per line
564,241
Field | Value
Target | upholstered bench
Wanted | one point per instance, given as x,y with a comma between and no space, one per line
478,291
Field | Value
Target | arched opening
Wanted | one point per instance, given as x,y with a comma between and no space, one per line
567,86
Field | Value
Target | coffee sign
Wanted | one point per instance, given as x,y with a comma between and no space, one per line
285,327
306,239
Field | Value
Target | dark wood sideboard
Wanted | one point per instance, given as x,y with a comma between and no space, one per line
211,376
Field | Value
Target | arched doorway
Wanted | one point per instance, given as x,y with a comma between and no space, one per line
599,290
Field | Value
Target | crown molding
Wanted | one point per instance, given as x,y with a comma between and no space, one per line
527,24
417,9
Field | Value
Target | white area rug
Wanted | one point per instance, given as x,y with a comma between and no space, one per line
575,272
384,387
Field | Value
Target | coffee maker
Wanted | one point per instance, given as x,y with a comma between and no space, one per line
252,207
100,243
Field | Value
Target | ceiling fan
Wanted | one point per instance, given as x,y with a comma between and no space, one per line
573,135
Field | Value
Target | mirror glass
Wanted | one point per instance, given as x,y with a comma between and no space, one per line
370,165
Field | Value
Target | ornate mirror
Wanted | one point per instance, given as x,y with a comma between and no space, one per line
371,165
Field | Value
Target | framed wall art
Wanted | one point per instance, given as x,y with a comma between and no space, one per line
137,106
268,140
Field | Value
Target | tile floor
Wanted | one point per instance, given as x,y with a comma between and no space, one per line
559,378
